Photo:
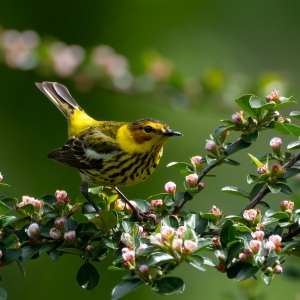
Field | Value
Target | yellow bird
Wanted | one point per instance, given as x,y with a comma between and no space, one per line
106,153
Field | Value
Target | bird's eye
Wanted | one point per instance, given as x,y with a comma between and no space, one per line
148,129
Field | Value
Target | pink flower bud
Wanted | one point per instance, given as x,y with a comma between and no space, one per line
210,146
263,169
236,118
269,246
59,223
70,236
33,230
287,206
167,232
276,239
190,245
1,254
89,248
192,179
177,244
156,239
196,161
255,246
1,177
142,247
250,214
119,205
216,211
258,235
144,269
276,143
170,187
277,269
156,203
61,195
129,256
54,233
180,230
37,204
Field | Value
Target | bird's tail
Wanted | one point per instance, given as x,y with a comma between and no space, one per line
78,120
60,96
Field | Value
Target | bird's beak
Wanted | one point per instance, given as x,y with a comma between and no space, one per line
170,132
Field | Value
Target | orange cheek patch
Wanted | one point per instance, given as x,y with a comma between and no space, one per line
141,138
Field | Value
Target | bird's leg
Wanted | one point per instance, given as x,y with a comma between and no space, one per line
84,189
136,212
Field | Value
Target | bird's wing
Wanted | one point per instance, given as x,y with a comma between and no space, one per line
86,151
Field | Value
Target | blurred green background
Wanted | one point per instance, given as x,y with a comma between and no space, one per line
232,47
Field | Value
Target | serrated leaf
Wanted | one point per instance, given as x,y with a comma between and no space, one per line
125,287
88,276
168,286
235,191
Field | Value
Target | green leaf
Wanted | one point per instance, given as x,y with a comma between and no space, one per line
277,215
196,222
49,199
196,261
267,279
238,219
88,276
11,241
231,162
3,294
255,160
168,286
228,233
280,127
293,145
291,172
159,258
293,129
5,185
235,191
285,188
182,166
69,249
29,251
274,188
250,137
295,114
246,272
126,287
170,221
105,221
284,104
11,255
233,251
251,178
222,129
244,103
256,102
236,146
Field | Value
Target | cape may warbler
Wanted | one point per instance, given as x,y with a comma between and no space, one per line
106,153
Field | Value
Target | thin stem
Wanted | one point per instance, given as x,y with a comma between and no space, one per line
265,190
